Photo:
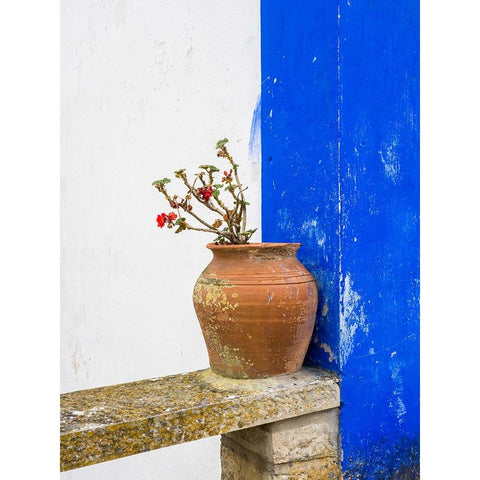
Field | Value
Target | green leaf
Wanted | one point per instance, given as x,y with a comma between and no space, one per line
182,225
221,143
219,239
248,232
210,168
163,181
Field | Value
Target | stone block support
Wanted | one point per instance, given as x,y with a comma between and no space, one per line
300,448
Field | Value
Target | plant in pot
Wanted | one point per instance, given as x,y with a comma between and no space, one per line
255,302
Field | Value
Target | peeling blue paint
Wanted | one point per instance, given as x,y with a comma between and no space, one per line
340,173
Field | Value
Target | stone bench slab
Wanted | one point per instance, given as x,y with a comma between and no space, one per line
115,421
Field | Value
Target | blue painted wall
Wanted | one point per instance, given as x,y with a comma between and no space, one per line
340,173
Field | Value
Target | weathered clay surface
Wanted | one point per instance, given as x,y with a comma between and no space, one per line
105,423
256,304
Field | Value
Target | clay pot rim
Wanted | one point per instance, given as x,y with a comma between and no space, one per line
259,245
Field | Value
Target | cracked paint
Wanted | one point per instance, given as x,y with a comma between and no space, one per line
390,157
398,391
327,349
352,317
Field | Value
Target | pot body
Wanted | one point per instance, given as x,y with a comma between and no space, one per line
256,304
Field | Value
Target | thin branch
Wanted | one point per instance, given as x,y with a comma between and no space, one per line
189,227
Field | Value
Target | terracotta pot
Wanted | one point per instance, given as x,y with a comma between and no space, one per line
256,304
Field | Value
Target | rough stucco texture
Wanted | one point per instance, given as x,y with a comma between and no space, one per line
147,87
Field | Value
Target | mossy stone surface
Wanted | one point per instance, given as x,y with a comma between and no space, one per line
115,421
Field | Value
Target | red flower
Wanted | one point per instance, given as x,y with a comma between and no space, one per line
227,176
161,220
164,218
205,193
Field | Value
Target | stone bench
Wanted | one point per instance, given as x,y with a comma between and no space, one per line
283,427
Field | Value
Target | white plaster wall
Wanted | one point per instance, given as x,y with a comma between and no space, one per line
147,87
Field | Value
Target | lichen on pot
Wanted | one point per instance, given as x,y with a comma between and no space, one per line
256,304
